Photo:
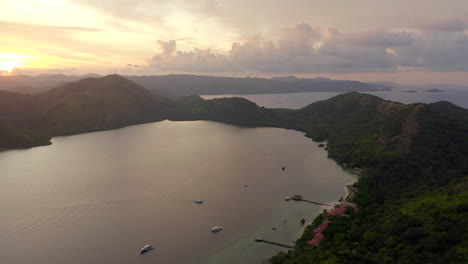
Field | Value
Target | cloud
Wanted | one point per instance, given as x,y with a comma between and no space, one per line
246,16
54,35
129,9
38,71
6,25
446,25
306,49
133,65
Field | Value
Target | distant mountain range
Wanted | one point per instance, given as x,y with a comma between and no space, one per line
182,84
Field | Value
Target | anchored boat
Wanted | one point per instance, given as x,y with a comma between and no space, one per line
216,229
145,249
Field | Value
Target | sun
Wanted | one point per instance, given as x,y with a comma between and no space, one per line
8,65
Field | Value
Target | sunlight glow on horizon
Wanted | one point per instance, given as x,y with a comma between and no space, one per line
82,36
8,66
9,61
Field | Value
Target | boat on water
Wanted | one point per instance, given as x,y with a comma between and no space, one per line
145,248
199,201
296,197
216,229
287,198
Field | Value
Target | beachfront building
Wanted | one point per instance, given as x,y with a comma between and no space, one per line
340,210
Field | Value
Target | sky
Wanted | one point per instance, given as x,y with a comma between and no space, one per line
405,41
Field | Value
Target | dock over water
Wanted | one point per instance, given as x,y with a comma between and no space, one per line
259,239
298,198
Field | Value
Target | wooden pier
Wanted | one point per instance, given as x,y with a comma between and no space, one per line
298,198
307,201
259,239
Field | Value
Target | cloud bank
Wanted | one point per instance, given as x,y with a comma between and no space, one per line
440,46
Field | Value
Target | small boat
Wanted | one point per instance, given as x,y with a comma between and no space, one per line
287,198
246,185
274,228
296,197
216,229
199,201
145,249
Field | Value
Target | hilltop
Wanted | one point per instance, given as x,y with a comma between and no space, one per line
90,104
35,84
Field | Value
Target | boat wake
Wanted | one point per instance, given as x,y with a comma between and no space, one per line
49,217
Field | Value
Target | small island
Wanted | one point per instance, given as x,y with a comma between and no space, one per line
408,91
435,90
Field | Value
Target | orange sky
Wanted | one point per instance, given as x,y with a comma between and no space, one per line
369,40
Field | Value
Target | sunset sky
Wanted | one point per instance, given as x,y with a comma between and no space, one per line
407,41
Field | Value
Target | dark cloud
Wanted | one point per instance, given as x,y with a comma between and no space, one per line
385,38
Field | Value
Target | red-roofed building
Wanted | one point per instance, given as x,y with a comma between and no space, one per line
340,210
318,233
323,226
317,239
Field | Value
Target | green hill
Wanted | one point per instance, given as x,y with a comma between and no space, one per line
95,104
90,104
18,125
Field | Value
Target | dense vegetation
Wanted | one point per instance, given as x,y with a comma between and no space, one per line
412,194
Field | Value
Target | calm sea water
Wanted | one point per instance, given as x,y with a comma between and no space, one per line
458,96
99,197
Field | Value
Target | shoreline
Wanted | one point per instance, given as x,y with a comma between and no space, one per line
351,192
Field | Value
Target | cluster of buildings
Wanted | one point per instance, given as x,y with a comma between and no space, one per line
340,210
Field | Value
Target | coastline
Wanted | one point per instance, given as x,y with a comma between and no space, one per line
351,191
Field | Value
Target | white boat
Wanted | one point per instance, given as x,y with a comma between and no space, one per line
145,248
216,229
199,201
287,198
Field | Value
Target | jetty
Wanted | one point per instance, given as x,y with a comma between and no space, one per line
260,240
297,197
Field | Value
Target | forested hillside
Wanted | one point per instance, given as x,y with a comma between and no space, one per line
413,190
